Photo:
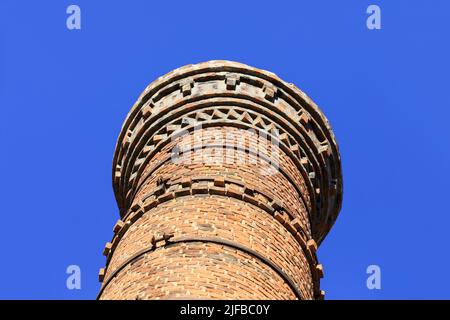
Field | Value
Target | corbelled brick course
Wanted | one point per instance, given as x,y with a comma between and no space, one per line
227,179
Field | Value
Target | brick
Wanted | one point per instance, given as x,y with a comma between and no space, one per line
182,192
150,203
107,249
304,118
101,274
219,181
250,199
231,80
233,191
186,182
146,111
119,225
270,92
319,269
321,295
280,217
296,223
158,138
217,191
284,138
200,188
166,196
312,245
277,204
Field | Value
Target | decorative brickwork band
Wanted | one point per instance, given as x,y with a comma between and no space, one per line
227,179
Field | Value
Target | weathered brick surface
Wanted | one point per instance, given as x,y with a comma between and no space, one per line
238,214
223,217
197,270
284,184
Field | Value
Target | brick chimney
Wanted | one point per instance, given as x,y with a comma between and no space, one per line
227,179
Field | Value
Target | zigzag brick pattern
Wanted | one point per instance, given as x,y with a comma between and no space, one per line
206,212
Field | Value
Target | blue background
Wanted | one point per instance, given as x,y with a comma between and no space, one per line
64,95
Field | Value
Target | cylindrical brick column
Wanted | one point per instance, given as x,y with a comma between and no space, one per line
227,179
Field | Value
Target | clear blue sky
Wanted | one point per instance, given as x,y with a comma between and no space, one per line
64,95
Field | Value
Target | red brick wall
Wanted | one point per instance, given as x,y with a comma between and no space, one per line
239,213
